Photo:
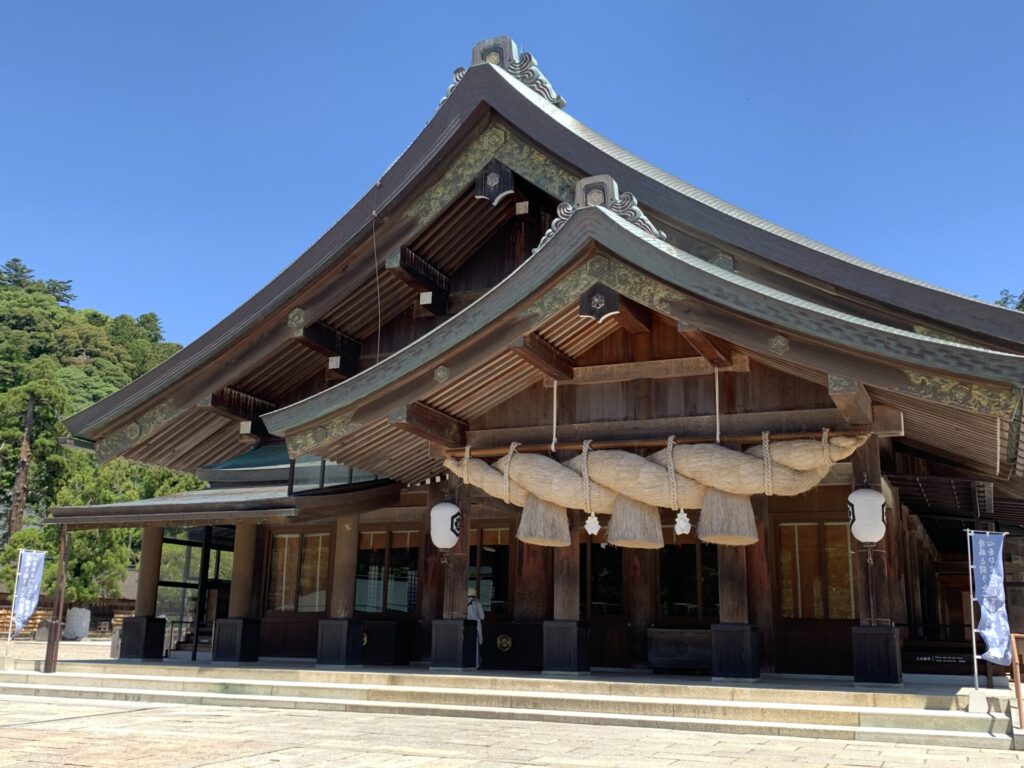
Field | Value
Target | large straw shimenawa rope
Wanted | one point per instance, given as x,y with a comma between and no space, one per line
717,480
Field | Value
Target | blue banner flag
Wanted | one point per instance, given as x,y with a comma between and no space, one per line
26,589
994,626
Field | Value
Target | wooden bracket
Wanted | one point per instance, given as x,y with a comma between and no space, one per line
328,341
422,277
429,423
340,368
851,398
252,431
544,356
235,404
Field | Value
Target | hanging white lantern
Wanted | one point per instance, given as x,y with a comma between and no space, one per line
867,515
445,525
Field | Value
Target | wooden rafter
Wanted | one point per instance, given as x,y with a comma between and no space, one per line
429,423
706,346
851,398
544,356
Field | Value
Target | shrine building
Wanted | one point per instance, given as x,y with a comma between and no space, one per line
647,406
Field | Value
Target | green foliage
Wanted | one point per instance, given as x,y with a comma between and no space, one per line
97,561
1010,300
64,359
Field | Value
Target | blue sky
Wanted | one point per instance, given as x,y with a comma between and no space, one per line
174,157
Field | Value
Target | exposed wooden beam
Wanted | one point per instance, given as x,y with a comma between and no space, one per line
634,318
435,302
340,368
851,398
235,404
544,356
706,346
422,277
429,423
252,431
673,368
888,423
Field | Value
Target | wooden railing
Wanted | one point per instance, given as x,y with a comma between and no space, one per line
1016,677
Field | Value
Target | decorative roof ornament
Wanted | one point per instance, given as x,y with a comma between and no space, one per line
604,191
504,53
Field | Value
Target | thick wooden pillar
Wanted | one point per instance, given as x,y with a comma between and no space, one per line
566,644
431,593
456,574
343,579
894,556
533,582
760,600
243,563
732,585
566,562
735,642
149,570
867,468
340,636
639,577
237,637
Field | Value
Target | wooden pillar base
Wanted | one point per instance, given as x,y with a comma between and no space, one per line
142,637
453,644
735,652
340,642
876,655
566,647
236,640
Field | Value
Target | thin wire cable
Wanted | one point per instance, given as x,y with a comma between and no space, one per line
554,417
718,417
376,267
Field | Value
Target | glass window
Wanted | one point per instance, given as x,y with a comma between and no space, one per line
842,583
316,548
224,566
370,571
816,571
403,571
284,560
489,567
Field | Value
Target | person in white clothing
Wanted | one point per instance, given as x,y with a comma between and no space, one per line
475,612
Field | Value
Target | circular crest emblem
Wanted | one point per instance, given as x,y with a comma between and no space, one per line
504,643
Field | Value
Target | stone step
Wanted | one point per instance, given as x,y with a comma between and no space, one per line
648,686
680,705
720,725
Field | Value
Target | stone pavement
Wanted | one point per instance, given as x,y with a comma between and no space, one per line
52,732
77,650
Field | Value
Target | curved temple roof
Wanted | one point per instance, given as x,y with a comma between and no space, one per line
702,291
485,87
